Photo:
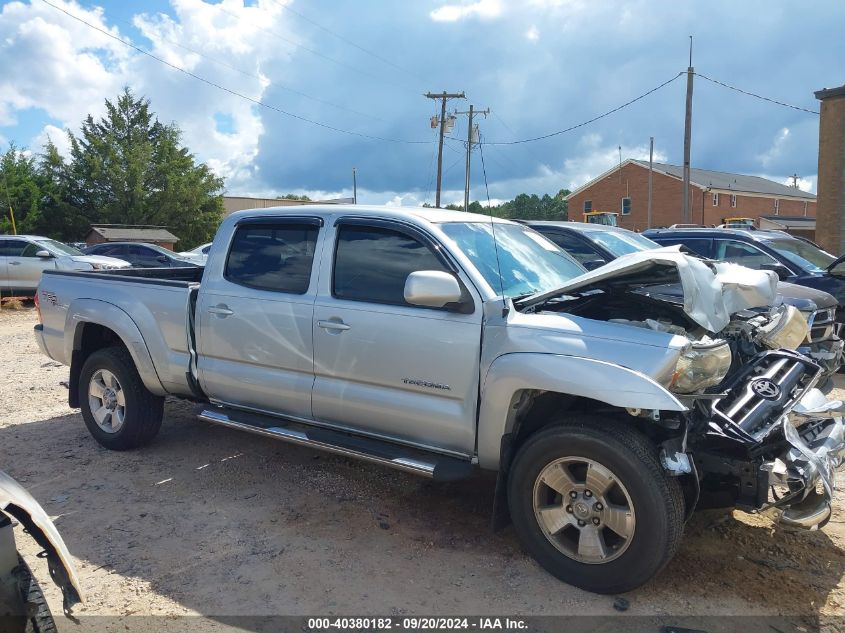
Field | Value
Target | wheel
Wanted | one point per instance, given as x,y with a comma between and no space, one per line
591,503
117,408
32,613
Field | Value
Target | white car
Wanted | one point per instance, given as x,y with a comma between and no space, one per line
198,254
24,257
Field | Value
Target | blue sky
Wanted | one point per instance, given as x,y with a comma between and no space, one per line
362,66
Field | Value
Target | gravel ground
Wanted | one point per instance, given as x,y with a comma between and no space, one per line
211,521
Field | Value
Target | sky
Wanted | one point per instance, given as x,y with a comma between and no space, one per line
288,96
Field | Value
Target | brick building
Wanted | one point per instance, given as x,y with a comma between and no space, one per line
714,195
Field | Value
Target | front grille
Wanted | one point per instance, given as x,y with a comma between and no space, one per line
822,325
745,407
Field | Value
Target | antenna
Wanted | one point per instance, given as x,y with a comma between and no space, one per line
493,230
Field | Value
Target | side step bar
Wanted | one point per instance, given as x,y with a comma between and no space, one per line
431,465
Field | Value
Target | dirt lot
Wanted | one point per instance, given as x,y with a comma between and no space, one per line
211,521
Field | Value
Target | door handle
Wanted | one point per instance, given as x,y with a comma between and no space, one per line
14,263
334,325
220,310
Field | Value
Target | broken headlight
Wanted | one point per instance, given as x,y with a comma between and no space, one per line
786,332
703,364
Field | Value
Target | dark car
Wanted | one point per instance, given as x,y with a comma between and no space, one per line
594,245
141,255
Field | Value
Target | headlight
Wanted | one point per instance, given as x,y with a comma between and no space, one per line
96,266
702,365
786,332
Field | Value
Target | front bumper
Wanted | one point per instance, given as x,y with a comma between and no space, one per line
816,439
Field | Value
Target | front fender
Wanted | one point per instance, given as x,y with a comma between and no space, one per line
599,380
108,315
18,504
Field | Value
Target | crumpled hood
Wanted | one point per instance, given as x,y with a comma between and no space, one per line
712,292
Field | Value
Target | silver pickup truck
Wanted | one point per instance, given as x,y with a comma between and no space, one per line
439,342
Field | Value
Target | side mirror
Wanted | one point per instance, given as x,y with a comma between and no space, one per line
782,271
43,254
432,289
592,264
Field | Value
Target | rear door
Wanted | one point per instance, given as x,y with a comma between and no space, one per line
14,268
383,366
254,317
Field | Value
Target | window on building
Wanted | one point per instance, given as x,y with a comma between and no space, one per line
805,208
715,199
372,264
733,201
626,206
588,206
273,257
777,206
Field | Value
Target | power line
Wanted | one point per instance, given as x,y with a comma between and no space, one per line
260,78
583,123
304,47
346,40
752,94
229,90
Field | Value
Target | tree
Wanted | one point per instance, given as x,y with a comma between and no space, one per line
293,196
129,168
20,190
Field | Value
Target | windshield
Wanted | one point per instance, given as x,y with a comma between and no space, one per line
803,254
528,262
57,248
621,243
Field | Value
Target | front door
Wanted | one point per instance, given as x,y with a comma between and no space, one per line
384,366
254,317
23,267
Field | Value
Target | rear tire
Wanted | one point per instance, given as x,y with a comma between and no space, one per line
118,410
610,539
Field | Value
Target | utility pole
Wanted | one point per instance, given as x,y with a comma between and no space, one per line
650,172
471,114
443,96
688,135
354,186
794,180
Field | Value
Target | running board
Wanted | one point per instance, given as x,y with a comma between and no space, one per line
431,465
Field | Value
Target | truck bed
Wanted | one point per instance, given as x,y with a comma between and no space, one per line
159,302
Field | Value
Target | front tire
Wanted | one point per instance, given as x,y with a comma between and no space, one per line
591,503
118,410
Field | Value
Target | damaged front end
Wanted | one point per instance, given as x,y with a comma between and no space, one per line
770,439
758,433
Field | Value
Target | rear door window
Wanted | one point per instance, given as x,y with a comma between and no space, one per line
741,253
278,258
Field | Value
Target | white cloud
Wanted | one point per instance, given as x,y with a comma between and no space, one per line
57,135
532,34
453,12
776,150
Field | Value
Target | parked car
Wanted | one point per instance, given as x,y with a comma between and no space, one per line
436,342
22,604
198,254
594,245
24,257
141,255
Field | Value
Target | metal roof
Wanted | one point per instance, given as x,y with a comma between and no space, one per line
114,233
731,182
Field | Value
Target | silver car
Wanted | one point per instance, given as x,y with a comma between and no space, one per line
24,257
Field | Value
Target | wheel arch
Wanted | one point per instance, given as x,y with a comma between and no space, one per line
515,380
92,325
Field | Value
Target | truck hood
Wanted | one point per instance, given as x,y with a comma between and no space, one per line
712,291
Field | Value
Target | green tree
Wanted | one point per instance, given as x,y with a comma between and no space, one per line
293,196
20,189
129,168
